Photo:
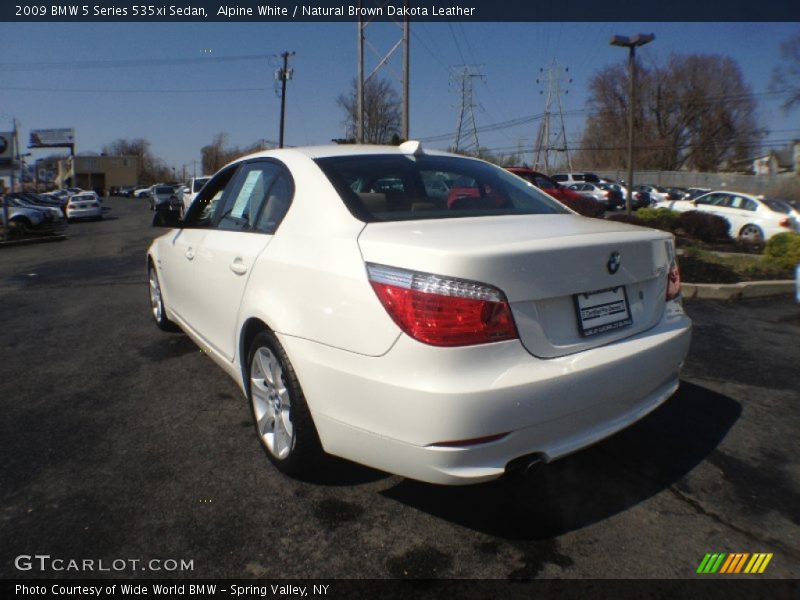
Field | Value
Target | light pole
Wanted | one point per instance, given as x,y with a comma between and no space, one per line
631,43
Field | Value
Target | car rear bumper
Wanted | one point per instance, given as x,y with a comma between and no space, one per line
393,412
84,213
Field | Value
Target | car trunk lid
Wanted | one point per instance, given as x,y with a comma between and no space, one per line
548,266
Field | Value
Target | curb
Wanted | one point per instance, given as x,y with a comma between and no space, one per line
732,291
36,240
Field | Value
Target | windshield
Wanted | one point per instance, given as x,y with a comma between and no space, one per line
397,188
199,183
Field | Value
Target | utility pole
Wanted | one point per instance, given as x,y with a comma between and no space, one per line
466,138
283,75
545,143
383,62
14,153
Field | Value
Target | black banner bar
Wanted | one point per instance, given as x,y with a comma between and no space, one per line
381,10
707,587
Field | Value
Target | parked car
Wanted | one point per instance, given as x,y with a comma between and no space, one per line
448,344
694,192
84,206
142,192
609,197
23,221
657,193
21,202
58,200
638,199
160,194
677,193
546,183
570,178
193,188
753,219
39,199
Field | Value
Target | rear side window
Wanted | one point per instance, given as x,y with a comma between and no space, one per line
779,206
398,187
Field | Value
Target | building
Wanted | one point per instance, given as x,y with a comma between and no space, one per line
98,172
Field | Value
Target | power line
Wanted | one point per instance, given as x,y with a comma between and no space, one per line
132,91
122,63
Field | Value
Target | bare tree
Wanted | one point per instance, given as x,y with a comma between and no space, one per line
382,111
215,155
694,111
786,77
151,168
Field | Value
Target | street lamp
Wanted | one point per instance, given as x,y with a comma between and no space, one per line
631,43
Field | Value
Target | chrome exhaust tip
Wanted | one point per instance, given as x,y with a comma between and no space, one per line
524,464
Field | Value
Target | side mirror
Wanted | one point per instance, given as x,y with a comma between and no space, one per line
164,217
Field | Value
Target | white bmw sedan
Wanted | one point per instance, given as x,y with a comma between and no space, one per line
422,313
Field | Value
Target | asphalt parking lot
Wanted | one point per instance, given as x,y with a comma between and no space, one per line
120,441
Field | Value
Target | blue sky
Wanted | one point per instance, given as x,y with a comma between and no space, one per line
130,101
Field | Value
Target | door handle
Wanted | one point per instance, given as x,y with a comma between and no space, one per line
190,253
238,267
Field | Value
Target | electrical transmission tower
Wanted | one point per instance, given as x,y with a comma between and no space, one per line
552,141
466,139
383,62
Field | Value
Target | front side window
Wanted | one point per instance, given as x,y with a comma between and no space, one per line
398,187
259,199
206,207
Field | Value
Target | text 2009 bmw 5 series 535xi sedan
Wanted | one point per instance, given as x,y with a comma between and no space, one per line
423,313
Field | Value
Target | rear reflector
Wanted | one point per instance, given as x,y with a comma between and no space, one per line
443,311
673,274
470,442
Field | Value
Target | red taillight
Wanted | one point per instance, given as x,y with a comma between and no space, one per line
443,311
785,222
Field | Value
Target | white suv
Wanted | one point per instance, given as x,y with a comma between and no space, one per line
570,178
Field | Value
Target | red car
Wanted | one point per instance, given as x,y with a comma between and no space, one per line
570,198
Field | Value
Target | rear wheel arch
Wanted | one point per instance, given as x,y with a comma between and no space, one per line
251,328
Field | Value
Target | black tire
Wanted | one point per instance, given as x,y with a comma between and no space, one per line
157,310
303,453
751,234
19,227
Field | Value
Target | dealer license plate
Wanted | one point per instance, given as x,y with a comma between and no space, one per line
602,311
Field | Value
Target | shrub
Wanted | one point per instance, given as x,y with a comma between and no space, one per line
704,226
783,250
588,207
660,218
624,218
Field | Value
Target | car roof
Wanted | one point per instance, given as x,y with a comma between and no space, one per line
335,150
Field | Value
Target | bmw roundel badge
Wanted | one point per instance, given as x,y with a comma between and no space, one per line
614,262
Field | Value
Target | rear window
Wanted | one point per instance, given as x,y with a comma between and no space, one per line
779,206
400,188
199,183
164,189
